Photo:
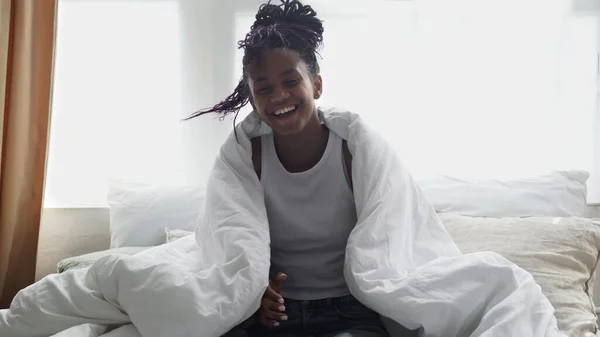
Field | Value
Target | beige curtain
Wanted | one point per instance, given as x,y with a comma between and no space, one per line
26,54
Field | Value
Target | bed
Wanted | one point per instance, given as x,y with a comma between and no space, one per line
479,214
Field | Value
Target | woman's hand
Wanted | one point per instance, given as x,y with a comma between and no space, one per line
272,309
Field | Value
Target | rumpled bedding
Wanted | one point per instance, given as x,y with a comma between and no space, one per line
95,330
400,261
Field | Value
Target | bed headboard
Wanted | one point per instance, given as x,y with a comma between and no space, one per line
67,232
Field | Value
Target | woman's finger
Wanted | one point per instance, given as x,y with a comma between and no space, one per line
269,304
277,282
273,295
268,323
275,315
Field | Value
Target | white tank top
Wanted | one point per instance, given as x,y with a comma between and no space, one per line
311,215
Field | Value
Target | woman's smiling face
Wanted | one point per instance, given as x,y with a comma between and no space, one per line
282,90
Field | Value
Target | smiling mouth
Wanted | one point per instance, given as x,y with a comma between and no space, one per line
285,111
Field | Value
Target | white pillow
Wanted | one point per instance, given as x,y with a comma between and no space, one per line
559,193
86,260
176,234
139,213
560,253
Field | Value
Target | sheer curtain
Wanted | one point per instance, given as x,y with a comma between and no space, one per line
462,87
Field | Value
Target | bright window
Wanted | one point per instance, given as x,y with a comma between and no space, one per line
116,103
467,87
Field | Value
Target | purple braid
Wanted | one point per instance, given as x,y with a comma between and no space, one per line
290,25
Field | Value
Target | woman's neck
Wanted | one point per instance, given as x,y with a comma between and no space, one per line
301,151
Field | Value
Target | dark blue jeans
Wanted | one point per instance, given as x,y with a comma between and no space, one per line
335,317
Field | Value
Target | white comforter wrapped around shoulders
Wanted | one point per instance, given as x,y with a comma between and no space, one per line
400,261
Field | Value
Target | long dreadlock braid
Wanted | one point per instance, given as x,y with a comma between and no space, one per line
290,25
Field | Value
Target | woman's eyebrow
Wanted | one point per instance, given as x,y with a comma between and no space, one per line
260,79
287,72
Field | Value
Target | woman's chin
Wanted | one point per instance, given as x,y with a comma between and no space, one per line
288,130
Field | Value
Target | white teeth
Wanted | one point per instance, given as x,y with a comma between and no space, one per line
284,110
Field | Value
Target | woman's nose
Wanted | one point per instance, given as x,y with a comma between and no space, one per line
279,94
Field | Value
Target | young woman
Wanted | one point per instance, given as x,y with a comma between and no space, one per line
306,174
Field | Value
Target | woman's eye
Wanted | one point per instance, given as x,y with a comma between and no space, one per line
264,90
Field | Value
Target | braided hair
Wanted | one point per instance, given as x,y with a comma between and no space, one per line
290,25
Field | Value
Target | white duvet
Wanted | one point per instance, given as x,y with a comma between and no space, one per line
400,261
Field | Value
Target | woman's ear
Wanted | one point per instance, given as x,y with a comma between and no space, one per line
318,86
